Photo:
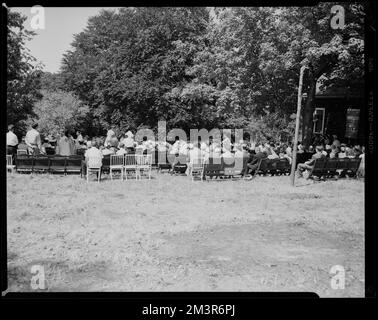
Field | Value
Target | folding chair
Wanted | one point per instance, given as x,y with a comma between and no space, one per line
24,163
10,165
94,165
144,163
105,164
197,168
58,164
73,164
130,164
41,164
116,164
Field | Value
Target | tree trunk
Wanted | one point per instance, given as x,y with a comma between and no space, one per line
308,112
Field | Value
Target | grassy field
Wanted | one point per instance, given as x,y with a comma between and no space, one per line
172,234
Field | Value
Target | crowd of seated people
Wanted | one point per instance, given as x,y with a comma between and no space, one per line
335,149
69,143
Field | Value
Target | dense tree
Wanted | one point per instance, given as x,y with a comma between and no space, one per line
335,55
200,67
23,78
125,62
59,110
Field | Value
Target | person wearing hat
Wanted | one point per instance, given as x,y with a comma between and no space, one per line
12,141
33,140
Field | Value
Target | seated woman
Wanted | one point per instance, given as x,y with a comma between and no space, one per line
121,150
107,150
46,147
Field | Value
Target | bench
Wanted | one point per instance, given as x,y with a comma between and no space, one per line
225,167
273,167
334,167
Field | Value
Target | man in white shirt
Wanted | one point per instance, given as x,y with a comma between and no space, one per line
93,155
12,141
33,140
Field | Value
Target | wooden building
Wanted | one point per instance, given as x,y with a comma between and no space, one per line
340,111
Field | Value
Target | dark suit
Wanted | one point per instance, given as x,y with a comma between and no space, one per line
255,161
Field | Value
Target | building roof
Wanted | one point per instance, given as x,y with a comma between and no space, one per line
355,90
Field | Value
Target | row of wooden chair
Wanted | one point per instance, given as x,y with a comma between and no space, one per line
335,167
224,168
51,164
136,163
76,164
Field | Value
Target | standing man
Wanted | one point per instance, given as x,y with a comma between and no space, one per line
12,141
65,144
33,140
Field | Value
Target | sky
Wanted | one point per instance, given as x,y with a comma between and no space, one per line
61,23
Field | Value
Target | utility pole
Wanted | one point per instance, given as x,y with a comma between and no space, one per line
295,147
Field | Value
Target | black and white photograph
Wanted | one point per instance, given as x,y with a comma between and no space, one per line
187,149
